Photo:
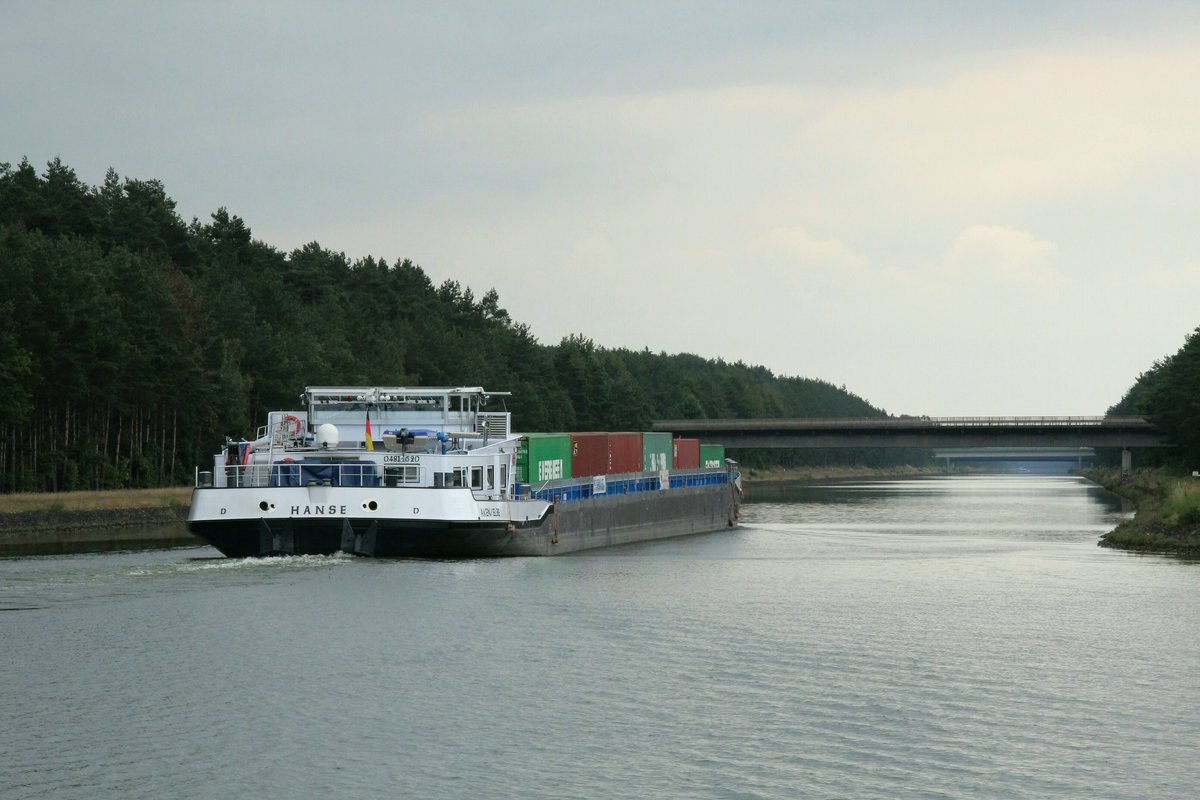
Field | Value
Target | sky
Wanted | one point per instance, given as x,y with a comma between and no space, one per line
952,209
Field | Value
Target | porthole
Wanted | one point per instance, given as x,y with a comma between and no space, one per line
263,506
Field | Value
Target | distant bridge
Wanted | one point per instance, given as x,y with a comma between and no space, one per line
1076,454
924,432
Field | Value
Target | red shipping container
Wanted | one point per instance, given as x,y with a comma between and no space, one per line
685,454
589,454
624,453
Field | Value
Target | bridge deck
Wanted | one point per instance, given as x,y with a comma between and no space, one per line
922,432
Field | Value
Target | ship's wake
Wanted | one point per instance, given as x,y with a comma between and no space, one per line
264,563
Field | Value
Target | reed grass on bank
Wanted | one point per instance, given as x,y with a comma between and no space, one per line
1168,511
169,497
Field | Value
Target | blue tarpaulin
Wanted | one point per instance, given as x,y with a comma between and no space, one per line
285,474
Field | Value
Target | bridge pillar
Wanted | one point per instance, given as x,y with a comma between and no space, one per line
1126,462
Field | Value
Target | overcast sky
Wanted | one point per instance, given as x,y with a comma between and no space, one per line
954,209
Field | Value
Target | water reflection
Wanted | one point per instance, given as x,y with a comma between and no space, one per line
864,642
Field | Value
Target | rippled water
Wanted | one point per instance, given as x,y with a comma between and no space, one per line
957,637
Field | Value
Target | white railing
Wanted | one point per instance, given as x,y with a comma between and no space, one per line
878,423
289,473
1020,422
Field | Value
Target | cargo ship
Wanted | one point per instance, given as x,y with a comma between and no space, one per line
400,472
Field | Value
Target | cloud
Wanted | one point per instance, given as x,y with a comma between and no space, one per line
1003,255
1027,123
795,246
986,135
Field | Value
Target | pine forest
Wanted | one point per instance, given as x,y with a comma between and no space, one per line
132,343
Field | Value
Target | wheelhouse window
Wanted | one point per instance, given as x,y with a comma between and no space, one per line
407,475
450,480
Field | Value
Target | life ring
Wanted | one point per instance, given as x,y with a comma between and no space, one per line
291,425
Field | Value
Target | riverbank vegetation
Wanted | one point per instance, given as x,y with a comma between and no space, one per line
171,497
1166,496
1169,395
775,475
63,522
1168,511
132,342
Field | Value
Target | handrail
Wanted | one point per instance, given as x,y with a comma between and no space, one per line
291,473
902,422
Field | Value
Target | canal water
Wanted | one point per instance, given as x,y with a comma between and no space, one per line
958,637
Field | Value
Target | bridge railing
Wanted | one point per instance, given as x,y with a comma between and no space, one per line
1040,422
816,423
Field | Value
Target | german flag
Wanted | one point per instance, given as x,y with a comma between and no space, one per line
370,444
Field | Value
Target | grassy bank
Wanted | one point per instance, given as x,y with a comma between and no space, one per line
774,475
1168,511
73,522
171,498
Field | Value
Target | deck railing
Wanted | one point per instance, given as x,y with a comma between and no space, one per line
306,473
584,488
896,423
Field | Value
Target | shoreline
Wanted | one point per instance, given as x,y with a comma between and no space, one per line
781,478
1157,526
61,532
74,522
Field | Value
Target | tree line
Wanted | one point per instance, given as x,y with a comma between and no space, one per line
1168,394
132,343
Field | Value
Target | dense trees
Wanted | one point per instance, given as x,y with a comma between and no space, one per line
1169,395
132,342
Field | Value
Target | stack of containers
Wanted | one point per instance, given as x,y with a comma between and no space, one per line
712,455
544,457
553,456
656,452
685,454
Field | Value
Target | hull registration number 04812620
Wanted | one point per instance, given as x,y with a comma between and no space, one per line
401,458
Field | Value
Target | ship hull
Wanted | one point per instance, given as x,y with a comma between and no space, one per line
559,528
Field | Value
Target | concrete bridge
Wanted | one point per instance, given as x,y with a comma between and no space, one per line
1013,454
1076,454
925,432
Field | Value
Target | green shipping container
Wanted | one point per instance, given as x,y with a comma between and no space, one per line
544,457
712,455
656,451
